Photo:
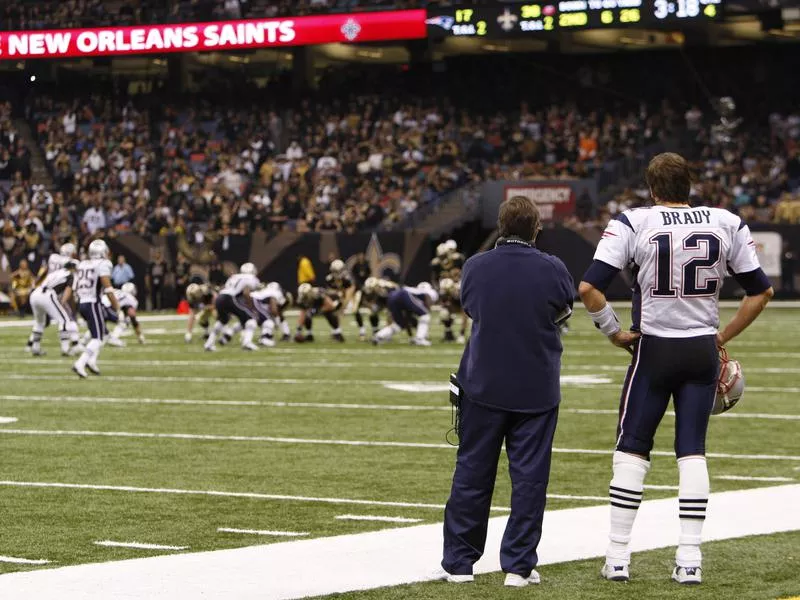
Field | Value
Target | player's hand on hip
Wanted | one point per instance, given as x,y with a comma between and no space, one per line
720,341
624,339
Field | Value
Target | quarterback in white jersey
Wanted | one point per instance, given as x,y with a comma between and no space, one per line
234,300
49,301
679,256
92,282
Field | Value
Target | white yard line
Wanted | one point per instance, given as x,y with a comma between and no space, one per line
389,557
363,443
262,532
223,494
749,478
138,545
23,561
328,405
377,518
7,420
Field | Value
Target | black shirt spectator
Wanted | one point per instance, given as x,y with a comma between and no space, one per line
156,274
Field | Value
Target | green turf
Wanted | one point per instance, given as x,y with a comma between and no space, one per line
61,524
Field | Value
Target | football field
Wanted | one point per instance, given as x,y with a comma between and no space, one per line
174,450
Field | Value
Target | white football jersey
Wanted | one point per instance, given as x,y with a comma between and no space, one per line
679,257
56,262
237,283
267,294
87,279
125,300
57,280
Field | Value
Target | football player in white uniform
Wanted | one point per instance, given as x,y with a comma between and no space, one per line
406,305
49,301
57,260
679,256
234,300
128,304
269,302
92,281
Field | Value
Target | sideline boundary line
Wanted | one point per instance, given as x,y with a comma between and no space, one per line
381,558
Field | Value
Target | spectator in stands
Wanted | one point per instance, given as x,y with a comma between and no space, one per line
155,279
181,271
122,272
22,282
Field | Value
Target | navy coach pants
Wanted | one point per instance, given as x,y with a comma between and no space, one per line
529,444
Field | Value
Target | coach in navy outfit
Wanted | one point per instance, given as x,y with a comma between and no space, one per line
517,297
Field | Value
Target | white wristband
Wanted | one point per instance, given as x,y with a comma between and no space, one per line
606,320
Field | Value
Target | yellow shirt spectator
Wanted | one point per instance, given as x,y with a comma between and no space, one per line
305,271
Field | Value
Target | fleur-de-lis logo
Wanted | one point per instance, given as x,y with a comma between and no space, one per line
351,29
378,262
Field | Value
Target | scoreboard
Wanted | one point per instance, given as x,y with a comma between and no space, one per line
512,20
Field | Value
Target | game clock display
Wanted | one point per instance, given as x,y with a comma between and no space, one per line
525,19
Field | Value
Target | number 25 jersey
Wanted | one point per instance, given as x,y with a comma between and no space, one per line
88,287
679,258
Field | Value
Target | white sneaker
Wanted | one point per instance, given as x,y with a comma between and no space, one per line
461,340
80,371
211,348
39,352
518,581
187,338
268,342
116,342
442,575
420,342
250,346
688,575
93,368
615,572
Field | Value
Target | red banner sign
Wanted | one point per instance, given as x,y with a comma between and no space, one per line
221,35
555,201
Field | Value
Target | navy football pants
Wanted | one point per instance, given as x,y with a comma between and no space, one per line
685,369
529,444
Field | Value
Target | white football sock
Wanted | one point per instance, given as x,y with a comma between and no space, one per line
212,337
693,492
422,327
63,337
268,327
625,492
247,334
93,348
118,330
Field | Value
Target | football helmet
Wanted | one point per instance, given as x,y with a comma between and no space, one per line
98,249
274,286
442,250
303,291
67,250
730,385
193,292
370,285
129,288
337,266
247,269
451,245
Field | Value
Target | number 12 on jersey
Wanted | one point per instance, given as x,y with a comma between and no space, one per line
690,264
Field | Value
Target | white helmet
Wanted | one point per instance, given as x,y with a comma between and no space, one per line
451,245
441,250
98,249
337,266
248,269
274,286
67,250
427,288
129,288
730,385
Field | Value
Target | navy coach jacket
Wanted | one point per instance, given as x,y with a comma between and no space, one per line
514,295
